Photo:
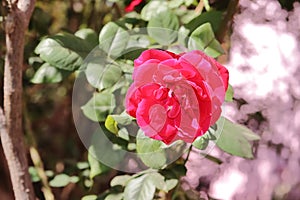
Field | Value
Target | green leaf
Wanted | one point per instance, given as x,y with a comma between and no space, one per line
210,134
203,38
140,188
96,167
201,143
170,184
133,53
89,197
114,196
111,124
113,39
99,106
123,118
103,150
138,41
151,152
158,180
175,172
163,27
64,51
152,8
60,180
48,74
88,35
35,62
82,165
212,17
234,139
112,121
131,146
186,15
123,133
49,173
206,5
162,184
229,94
102,75
175,3
120,180
183,36
74,179
34,174
189,2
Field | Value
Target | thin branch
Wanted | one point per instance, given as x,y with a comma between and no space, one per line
199,7
188,154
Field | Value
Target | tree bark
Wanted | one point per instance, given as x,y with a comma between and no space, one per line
16,23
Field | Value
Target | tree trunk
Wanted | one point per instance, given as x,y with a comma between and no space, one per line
16,23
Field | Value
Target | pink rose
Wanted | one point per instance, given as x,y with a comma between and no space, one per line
176,97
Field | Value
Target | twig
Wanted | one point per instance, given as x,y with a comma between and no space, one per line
199,7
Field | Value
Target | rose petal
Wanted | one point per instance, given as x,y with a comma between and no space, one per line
152,54
223,72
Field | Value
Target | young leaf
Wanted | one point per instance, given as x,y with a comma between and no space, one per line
163,27
203,38
113,39
141,188
234,139
99,106
112,121
64,51
111,124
